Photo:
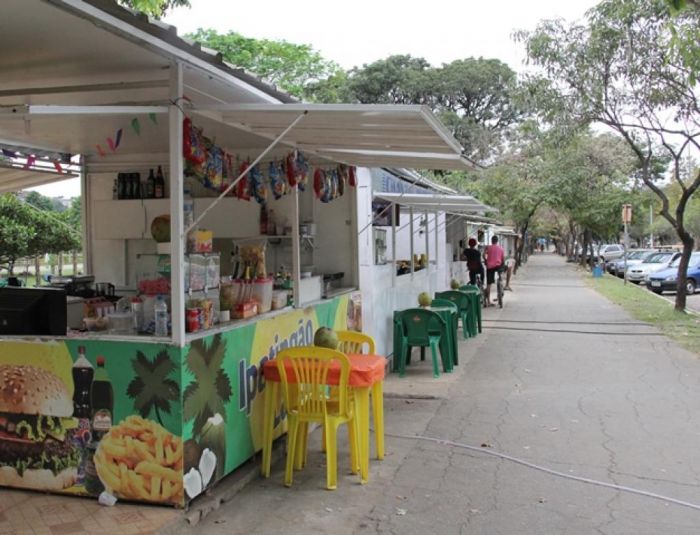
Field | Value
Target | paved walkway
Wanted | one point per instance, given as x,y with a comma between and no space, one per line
607,398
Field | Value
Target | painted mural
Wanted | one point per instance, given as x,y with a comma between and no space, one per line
145,422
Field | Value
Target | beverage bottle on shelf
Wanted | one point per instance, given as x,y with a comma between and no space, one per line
121,186
161,317
82,380
160,184
136,185
102,400
263,220
151,185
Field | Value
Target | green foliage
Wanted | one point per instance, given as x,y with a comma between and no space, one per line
290,66
475,98
27,231
211,389
152,389
154,8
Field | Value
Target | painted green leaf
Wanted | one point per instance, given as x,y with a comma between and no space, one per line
211,388
151,389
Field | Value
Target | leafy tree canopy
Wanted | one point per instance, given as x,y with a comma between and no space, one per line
154,8
289,66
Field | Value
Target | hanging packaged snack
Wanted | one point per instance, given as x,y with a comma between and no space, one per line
291,168
253,255
259,187
352,176
243,188
319,180
277,183
342,177
213,178
193,144
228,173
302,170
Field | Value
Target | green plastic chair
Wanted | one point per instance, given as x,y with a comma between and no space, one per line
421,328
475,297
462,301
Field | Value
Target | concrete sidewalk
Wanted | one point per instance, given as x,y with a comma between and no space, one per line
606,398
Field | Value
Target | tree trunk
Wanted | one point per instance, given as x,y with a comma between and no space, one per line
75,263
37,271
60,264
585,240
688,245
11,268
521,246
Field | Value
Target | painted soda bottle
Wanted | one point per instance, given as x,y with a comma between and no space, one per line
102,400
82,372
82,380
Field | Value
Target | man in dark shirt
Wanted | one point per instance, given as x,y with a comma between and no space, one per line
474,265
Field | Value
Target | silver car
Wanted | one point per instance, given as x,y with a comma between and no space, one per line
653,262
611,251
634,257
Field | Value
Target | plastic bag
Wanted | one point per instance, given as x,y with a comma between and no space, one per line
302,169
243,186
193,143
259,188
291,168
352,176
213,178
277,183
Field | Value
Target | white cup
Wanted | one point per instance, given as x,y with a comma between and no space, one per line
224,316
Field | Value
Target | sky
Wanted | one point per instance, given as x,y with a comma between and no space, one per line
362,31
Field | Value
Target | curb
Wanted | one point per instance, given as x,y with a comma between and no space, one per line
224,491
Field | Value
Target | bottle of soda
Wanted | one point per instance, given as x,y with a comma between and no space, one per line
102,400
160,184
151,185
136,186
82,380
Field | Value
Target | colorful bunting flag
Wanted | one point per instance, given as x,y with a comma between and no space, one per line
118,139
58,167
100,151
153,118
136,126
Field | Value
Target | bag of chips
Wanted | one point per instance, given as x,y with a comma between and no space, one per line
277,183
258,186
213,178
290,164
193,143
243,186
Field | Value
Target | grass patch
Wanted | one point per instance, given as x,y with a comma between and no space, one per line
645,306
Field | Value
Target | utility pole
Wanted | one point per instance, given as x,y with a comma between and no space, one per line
626,219
651,222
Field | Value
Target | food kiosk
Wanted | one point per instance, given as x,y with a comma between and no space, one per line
242,243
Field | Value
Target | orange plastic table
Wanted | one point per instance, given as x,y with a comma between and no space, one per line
366,374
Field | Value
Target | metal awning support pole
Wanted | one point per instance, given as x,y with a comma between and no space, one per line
177,240
244,173
427,242
410,222
437,243
296,251
394,209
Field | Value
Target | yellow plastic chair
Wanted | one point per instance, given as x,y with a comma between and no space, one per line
309,401
354,342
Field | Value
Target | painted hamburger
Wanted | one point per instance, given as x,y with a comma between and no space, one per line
36,449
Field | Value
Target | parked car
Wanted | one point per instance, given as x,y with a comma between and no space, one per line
666,279
634,257
652,263
611,251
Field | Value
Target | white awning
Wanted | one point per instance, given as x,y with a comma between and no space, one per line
451,204
365,135
14,178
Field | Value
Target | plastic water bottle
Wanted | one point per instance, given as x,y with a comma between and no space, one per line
161,313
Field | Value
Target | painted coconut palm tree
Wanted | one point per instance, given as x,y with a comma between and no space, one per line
151,389
206,396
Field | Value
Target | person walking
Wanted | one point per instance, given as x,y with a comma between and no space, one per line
474,265
494,256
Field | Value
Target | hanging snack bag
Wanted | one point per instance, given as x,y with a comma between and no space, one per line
342,177
291,168
302,169
193,143
277,183
243,186
319,179
228,173
213,178
352,176
259,188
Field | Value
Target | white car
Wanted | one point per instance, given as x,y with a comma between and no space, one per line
652,263
610,252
